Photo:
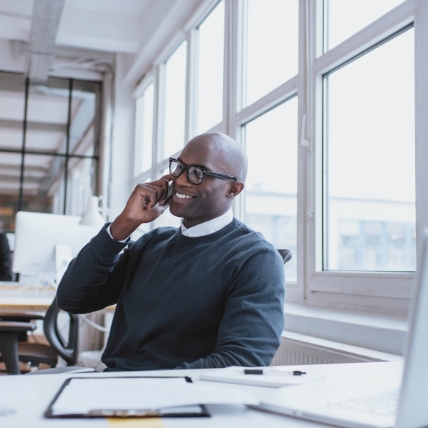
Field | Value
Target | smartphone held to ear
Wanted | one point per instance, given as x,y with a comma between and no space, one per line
170,192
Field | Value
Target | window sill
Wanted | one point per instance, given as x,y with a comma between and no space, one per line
380,332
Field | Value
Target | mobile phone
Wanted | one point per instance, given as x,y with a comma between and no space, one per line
170,192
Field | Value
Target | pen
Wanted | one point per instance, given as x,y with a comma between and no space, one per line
274,372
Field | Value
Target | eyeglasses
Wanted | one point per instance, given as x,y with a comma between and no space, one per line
195,174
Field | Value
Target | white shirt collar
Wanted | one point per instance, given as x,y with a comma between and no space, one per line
209,226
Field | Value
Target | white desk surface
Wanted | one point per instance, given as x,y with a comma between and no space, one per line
29,396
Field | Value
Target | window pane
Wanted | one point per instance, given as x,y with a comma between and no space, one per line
175,101
210,70
370,161
86,119
41,175
144,130
47,116
10,164
80,185
271,187
12,101
347,17
271,46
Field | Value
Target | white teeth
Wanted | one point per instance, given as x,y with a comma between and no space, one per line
181,196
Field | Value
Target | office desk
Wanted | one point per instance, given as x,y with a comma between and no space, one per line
22,298
29,395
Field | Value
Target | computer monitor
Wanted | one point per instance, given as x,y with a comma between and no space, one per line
45,243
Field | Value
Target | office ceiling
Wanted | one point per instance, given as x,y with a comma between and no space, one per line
106,25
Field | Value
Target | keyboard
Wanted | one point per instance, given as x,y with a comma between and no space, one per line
385,403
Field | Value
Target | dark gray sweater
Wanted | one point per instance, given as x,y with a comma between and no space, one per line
212,301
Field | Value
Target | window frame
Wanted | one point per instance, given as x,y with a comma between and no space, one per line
385,291
372,291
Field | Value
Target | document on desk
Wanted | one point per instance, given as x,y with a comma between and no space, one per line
139,397
266,376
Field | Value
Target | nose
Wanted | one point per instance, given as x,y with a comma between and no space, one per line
182,180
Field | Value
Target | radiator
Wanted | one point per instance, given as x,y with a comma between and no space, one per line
299,349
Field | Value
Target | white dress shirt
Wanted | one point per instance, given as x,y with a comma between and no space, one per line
207,227
201,229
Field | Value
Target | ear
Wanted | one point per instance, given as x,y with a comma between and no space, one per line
235,189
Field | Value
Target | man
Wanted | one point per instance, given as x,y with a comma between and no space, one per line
208,294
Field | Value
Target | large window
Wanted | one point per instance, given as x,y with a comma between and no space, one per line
49,136
329,99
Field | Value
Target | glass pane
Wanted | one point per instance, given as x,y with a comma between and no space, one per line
10,164
85,118
347,17
41,175
370,161
272,45
80,186
271,186
12,101
210,70
175,102
47,116
144,130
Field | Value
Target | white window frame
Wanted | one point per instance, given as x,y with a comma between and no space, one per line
381,292
385,291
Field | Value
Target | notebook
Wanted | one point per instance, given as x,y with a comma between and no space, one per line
366,404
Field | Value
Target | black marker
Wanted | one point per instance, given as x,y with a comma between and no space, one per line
274,372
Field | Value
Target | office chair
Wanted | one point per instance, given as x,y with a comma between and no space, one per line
286,255
14,346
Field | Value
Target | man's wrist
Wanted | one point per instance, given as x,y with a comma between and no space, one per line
121,230
112,237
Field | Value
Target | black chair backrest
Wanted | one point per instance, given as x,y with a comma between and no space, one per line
67,351
286,255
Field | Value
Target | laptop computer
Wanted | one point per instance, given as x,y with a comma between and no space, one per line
372,402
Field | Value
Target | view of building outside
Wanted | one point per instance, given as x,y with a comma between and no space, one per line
369,168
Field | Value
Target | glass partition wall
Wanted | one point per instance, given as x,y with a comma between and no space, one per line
49,137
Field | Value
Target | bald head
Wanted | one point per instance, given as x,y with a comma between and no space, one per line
223,151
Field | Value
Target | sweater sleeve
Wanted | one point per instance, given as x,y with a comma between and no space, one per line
93,280
253,321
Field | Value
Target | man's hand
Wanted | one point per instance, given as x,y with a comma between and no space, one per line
143,206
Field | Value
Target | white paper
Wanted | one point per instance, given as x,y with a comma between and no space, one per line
82,395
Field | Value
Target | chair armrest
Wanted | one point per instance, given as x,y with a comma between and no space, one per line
21,317
16,327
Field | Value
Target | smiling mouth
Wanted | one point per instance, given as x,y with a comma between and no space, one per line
181,196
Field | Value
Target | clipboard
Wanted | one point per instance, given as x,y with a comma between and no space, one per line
195,410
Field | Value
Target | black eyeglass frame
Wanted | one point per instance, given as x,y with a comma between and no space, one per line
204,172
